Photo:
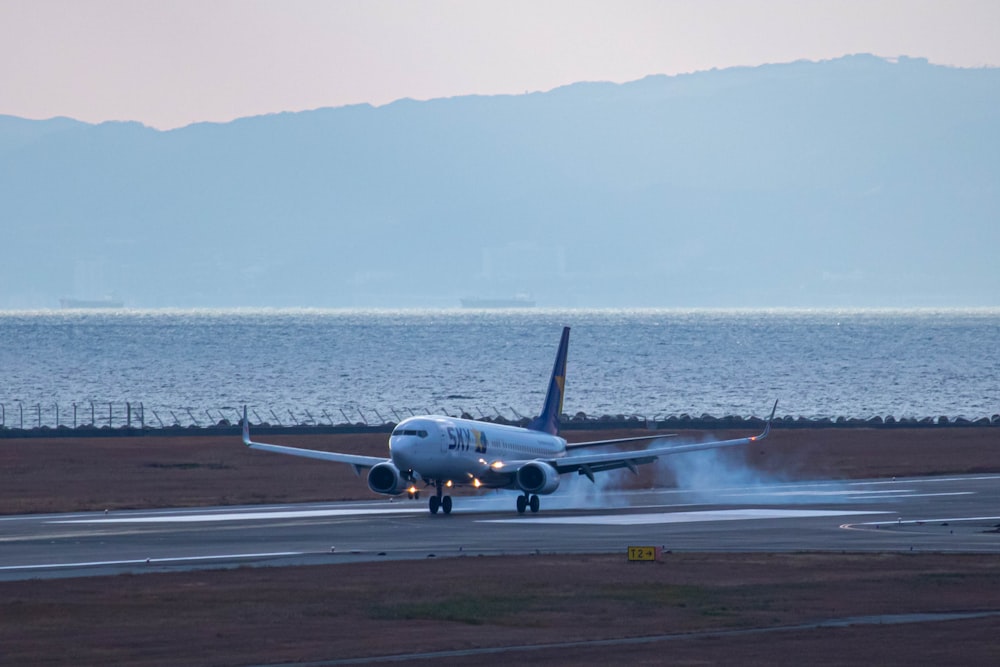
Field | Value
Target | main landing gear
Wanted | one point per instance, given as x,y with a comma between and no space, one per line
439,502
526,501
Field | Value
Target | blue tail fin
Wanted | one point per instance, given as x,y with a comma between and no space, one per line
548,421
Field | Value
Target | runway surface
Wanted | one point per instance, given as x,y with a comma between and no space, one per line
940,514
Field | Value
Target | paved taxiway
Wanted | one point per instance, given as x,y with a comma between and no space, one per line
953,513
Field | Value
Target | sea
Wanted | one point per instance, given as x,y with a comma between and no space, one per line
195,368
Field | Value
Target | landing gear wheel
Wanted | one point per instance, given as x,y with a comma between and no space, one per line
522,504
446,504
534,504
435,503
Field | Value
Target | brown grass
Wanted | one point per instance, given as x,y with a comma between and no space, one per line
63,474
260,615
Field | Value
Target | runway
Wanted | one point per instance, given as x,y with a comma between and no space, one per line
941,514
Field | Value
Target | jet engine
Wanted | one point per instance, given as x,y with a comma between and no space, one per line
537,477
386,478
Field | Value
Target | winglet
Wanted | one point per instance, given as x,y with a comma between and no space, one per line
246,427
767,425
548,421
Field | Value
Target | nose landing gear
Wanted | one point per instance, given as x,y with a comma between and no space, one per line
439,501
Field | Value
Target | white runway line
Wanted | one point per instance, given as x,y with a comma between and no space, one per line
850,493
900,522
241,516
913,495
683,517
925,480
148,561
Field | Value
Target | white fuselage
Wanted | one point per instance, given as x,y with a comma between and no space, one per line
463,451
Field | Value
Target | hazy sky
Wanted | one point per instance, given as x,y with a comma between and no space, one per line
168,63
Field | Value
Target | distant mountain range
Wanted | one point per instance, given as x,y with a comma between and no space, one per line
859,181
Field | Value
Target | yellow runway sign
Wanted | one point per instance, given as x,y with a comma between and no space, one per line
642,553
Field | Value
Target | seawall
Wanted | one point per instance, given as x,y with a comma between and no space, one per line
577,423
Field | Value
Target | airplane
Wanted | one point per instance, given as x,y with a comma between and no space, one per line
445,452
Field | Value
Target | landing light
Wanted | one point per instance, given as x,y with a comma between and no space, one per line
497,465
476,483
448,483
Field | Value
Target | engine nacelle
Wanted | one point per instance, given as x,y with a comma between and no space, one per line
537,477
386,478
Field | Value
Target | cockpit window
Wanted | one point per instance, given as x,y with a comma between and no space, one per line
420,433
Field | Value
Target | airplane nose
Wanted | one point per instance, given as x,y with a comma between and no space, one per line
402,452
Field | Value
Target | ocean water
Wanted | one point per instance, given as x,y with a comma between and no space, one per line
335,366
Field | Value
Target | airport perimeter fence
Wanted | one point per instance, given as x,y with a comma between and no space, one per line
109,416
26,415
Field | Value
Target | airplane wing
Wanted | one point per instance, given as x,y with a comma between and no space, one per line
588,464
358,461
618,441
